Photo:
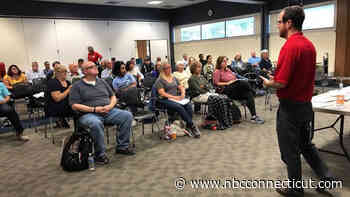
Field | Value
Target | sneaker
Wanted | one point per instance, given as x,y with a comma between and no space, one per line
288,192
22,138
257,120
188,132
195,131
126,151
102,160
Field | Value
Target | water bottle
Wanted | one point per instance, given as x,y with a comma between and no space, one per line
340,96
167,134
91,162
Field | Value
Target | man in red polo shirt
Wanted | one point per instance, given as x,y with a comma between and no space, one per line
93,56
294,80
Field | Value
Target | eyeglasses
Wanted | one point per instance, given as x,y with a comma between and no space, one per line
166,68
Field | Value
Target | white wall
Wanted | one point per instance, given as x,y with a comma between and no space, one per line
26,40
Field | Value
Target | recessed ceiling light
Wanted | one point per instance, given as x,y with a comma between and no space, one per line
155,2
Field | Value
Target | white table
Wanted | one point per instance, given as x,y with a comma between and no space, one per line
326,103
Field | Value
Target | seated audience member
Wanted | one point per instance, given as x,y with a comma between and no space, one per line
134,71
147,66
156,71
113,60
124,84
50,74
190,61
80,64
235,89
35,73
197,83
181,75
265,63
237,62
107,72
95,99
2,70
9,112
185,60
47,69
58,89
254,60
14,76
170,91
208,69
202,60
74,74
198,90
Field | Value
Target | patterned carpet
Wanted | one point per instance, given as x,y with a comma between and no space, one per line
246,151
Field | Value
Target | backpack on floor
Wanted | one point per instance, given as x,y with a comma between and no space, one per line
76,151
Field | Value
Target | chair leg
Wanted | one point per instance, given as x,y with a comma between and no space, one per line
133,138
51,130
107,133
143,127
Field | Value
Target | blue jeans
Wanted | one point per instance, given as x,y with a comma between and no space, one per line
185,111
95,122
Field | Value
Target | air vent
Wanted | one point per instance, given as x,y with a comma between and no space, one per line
113,2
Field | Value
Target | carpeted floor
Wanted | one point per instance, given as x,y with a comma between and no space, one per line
246,151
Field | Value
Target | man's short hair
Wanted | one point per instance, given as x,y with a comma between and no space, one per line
80,60
296,14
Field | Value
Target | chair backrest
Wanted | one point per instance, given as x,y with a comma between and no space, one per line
109,81
39,85
149,81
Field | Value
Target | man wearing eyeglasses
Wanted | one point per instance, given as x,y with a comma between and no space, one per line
94,98
294,81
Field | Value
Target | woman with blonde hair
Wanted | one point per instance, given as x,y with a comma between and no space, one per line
58,89
172,96
226,81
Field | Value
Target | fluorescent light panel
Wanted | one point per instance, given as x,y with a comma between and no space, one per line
155,2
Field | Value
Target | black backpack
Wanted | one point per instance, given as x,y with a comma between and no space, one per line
76,151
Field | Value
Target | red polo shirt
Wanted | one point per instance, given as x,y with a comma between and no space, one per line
93,57
296,69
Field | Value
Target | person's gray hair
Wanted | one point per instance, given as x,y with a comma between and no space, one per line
264,51
178,64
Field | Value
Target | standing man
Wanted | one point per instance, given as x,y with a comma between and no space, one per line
93,56
294,80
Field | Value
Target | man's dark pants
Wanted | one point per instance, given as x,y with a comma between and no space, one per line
294,138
